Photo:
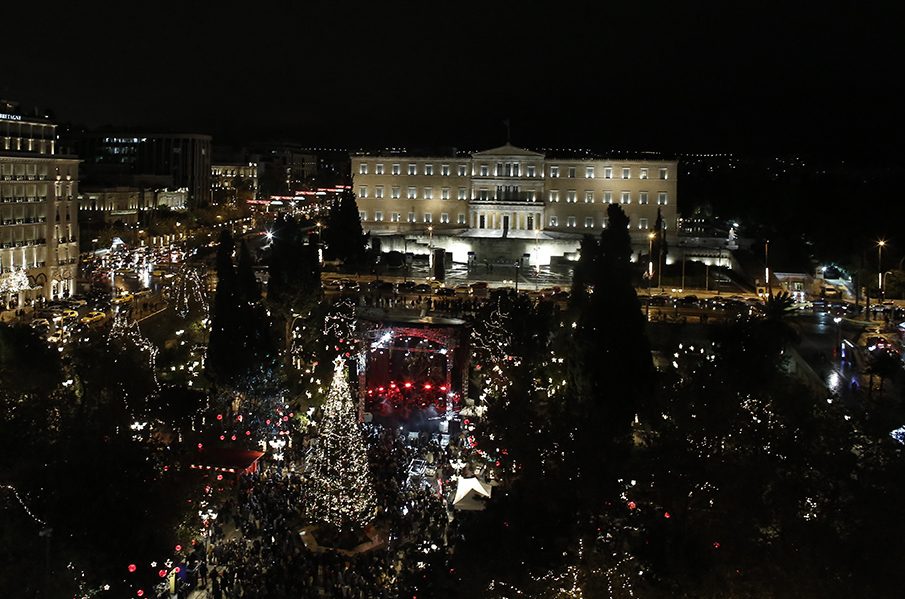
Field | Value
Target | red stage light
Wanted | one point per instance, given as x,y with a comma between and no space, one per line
442,387
380,389
392,385
407,385
428,386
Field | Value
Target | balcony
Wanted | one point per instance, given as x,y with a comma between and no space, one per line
510,197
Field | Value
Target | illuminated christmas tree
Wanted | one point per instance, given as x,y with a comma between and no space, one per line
339,490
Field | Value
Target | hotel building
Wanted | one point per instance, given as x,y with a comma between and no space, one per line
39,228
530,203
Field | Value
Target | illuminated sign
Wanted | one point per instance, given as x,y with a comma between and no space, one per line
11,117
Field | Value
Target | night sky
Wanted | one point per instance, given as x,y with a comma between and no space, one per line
670,77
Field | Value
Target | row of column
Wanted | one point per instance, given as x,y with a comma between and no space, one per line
518,220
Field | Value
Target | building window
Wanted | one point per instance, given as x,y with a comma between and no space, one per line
589,197
643,174
626,173
484,170
444,170
363,168
661,199
428,193
378,169
413,169
461,218
642,223
396,169
589,172
607,197
531,171
626,198
607,172
554,172
532,196
378,217
515,169
395,217
554,195
428,169
444,193
394,193
570,196
664,173
444,218
554,221
363,215
411,217
412,193
378,192
604,221
571,172
462,170
642,198
463,194
483,194
428,217
589,222
570,221
362,192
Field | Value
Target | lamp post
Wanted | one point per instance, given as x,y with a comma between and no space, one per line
767,267
837,320
430,252
650,270
880,245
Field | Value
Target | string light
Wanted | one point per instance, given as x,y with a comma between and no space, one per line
23,504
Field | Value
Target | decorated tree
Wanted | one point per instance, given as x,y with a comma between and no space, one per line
339,489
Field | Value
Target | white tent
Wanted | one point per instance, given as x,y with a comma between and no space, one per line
467,489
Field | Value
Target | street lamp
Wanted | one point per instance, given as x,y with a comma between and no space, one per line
837,320
430,251
880,245
650,270
767,267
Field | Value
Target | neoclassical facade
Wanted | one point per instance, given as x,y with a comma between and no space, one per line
511,193
38,212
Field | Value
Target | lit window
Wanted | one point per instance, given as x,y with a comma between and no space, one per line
411,217
428,193
570,196
643,174
396,169
363,168
589,222
589,172
531,171
626,198
483,194
642,198
444,193
484,170
532,196
571,172
378,191
428,169
554,221
362,192
607,172
626,173
554,195
664,173
378,169
570,221
461,219
642,223
662,199
363,215
394,193
444,170
444,218
413,169
554,172
462,170
607,197
428,217
412,193
395,217
462,193
378,217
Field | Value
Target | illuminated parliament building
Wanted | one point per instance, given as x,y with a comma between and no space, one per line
507,202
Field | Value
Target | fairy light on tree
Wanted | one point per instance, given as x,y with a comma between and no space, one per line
339,491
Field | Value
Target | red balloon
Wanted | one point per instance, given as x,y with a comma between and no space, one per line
632,505
162,573
140,593
219,416
178,547
132,567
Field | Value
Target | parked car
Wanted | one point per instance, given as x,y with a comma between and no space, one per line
445,291
93,317
422,288
122,299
